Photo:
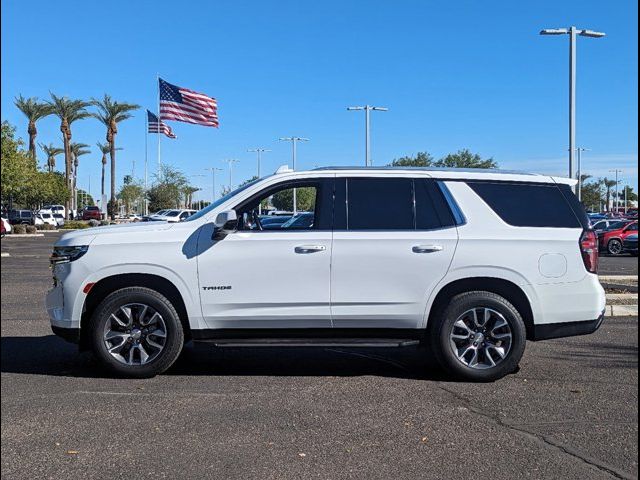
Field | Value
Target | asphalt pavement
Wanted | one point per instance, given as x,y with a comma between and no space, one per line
570,412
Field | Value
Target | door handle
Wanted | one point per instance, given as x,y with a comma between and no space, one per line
310,248
427,248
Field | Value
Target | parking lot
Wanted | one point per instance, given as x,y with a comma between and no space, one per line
570,412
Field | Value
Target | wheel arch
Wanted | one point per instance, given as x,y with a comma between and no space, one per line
112,283
505,288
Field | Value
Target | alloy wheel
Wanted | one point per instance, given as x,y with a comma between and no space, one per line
135,334
481,338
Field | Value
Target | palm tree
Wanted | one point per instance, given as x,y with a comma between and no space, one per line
104,148
51,152
77,150
68,111
34,110
110,113
608,185
188,193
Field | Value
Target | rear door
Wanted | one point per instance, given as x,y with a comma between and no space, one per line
394,240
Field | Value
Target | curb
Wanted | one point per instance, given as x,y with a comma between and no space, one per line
621,311
24,235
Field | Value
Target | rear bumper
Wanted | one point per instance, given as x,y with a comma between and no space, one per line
567,329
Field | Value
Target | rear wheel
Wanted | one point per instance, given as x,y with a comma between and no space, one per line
479,336
136,332
614,247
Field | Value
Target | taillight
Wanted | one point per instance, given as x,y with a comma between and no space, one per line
589,250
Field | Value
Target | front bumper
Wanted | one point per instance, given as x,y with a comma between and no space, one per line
567,329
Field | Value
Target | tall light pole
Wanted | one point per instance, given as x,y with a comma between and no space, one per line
617,171
230,162
367,125
579,150
573,32
213,171
258,151
294,141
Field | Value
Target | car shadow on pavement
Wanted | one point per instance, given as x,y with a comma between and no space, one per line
50,355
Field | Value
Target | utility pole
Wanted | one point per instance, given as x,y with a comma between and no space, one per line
573,32
294,141
258,151
617,171
367,126
213,171
230,162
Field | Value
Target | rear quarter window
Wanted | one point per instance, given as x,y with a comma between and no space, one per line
530,205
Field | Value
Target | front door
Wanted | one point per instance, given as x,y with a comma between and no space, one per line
272,278
396,242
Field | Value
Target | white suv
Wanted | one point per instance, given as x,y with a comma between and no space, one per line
470,264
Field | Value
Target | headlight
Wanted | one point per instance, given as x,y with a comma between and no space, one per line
67,254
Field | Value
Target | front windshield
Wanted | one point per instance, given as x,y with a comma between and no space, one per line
221,200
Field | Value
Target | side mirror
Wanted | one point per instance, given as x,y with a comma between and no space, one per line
226,223
227,220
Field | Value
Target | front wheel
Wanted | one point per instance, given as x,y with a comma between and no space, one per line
136,332
479,336
614,247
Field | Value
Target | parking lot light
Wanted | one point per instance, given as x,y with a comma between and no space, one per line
573,32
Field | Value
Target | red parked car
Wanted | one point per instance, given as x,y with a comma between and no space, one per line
613,241
91,213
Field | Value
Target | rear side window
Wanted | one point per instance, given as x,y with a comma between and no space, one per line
391,204
529,205
380,204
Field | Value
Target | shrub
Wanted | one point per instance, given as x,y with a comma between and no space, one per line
31,229
46,226
19,229
73,224
94,223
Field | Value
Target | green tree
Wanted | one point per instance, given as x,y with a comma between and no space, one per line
17,167
592,197
167,190
34,110
627,194
305,198
21,182
84,199
421,159
130,193
465,159
110,113
68,111
51,152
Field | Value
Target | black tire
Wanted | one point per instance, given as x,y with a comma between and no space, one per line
615,247
443,326
137,295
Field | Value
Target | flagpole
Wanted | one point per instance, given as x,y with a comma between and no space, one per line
159,158
146,161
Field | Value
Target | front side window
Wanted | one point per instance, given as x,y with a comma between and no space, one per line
314,207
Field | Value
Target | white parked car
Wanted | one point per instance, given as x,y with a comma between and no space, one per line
176,215
46,216
453,260
55,209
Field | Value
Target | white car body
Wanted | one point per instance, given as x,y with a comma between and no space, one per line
354,280
55,209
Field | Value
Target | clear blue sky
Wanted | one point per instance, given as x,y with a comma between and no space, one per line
454,74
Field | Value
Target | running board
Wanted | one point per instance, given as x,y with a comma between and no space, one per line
312,342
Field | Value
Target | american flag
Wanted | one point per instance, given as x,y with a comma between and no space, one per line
183,105
158,127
